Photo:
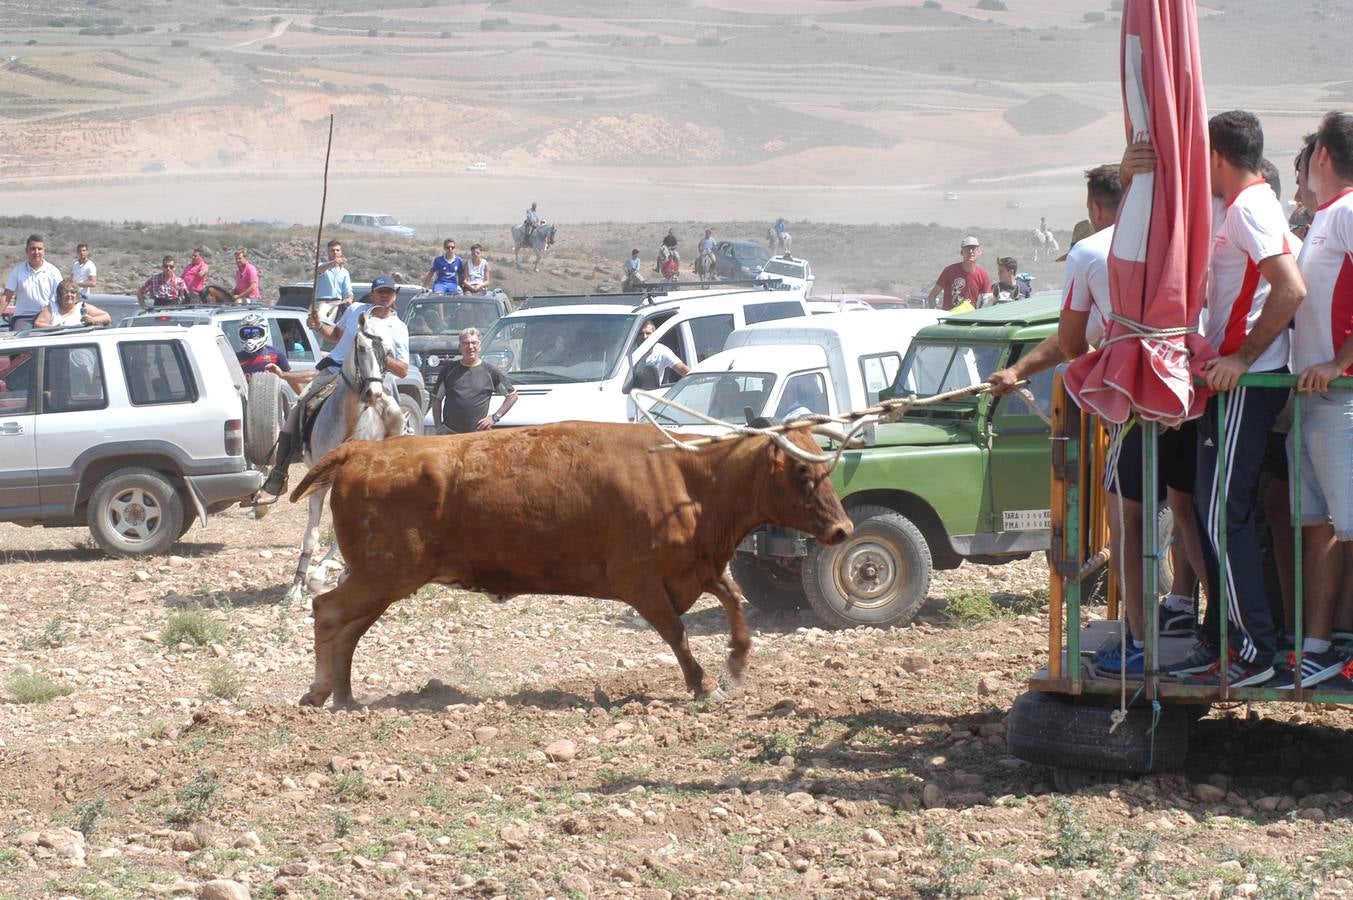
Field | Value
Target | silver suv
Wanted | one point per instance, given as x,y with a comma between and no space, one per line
134,432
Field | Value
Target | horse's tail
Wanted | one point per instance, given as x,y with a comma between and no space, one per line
323,473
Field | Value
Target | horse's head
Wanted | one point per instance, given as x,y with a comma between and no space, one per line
365,366
549,235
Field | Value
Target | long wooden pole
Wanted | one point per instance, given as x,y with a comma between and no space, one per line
323,201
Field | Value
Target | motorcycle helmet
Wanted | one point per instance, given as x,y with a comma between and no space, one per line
253,332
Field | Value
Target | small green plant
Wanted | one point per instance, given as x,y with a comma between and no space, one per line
87,815
969,607
1073,845
224,681
956,864
775,746
195,799
192,625
351,786
35,688
342,823
52,637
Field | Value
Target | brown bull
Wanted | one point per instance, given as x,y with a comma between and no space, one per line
574,508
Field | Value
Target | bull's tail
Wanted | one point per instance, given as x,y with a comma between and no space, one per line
323,473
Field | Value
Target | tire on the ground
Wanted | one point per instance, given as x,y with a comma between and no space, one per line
265,414
413,414
135,512
768,586
878,576
1050,730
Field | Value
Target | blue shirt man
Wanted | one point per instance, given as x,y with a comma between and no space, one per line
334,283
444,274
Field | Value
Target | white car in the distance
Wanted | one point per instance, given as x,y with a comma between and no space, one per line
794,273
375,223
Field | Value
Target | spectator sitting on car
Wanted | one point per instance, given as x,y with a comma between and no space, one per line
444,275
165,287
333,286
246,278
70,311
31,284
477,277
195,276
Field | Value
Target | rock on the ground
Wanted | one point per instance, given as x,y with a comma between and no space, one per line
224,889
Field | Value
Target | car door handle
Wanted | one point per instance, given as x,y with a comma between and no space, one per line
11,428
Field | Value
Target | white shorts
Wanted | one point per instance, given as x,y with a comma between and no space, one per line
1326,461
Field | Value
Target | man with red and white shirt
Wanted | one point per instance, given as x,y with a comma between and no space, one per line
1322,350
1254,287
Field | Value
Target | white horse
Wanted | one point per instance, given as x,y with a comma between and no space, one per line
1044,244
362,408
778,242
540,241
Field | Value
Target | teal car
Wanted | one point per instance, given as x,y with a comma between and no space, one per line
964,479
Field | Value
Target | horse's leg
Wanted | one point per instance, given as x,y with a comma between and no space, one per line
319,573
308,543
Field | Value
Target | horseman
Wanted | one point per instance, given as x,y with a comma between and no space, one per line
532,222
381,306
665,250
704,260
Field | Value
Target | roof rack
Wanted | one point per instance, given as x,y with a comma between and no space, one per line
647,294
53,329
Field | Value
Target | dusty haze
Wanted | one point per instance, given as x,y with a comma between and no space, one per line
845,111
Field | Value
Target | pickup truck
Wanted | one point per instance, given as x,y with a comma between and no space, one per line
960,480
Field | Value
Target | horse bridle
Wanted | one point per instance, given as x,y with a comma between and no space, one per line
378,347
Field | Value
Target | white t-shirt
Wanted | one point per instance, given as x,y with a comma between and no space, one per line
1086,287
399,334
34,289
1324,319
83,271
1245,233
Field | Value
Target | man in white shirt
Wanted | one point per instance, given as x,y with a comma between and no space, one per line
84,273
31,284
1322,350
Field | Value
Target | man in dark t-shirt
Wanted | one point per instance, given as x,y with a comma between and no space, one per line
465,387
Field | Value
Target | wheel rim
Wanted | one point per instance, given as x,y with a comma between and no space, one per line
868,573
135,515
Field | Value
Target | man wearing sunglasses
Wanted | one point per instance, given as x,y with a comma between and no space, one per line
164,288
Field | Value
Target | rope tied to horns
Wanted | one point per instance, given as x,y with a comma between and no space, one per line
855,422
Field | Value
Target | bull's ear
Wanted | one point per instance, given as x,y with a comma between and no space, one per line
779,459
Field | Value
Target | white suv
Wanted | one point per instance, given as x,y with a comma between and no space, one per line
375,223
134,432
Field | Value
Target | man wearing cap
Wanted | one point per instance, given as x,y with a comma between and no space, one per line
382,306
963,280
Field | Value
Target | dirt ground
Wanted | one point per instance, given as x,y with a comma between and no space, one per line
547,747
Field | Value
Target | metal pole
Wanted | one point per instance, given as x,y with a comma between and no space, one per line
1150,555
1219,502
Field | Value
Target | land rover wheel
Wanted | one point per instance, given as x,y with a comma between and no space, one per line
269,404
878,576
769,586
135,512
413,414
1077,737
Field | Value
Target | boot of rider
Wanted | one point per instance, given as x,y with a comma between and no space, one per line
277,478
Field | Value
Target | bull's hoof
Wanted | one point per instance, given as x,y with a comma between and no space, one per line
314,697
346,704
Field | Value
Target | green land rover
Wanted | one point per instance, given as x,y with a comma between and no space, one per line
959,480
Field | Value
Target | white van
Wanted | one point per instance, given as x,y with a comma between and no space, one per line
828,364
577,356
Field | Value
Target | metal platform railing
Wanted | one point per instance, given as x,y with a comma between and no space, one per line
1080,554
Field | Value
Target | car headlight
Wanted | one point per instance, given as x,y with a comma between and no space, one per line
434,360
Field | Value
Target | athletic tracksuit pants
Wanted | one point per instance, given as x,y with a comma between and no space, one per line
1250,414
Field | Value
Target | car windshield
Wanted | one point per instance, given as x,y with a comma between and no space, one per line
383,220
755,254
561,348
721,395
931,369
782,267
449,316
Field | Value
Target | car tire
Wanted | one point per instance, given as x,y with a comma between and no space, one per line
878,576
768,586
135,512
413,414
265,414
1052,730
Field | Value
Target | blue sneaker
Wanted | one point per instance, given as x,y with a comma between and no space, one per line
1110,661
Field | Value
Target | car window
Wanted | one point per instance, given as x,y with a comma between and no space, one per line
805,394
72,379
16,382
723,395
937,368
348,220
1016,404
289,334
557,349
157,372
879,371
766,312
784,267
709,333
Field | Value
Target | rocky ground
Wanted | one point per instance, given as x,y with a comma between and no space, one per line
547,747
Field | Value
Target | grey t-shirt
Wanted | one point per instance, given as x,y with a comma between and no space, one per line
468,391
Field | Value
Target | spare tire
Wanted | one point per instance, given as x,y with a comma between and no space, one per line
270,400
1052,730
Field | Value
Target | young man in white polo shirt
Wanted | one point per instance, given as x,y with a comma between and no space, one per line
1322,350
31,284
